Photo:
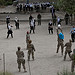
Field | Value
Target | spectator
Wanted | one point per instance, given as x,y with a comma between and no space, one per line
39,19
50,27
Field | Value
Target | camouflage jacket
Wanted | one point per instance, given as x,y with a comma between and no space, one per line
31,47
68,46
27,38
20,54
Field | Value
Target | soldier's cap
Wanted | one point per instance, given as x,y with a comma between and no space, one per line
27,32
30,41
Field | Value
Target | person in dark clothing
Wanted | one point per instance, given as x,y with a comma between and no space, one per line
66,18
20,7
39,19
54,19
50,27
30,18
73,34
53,11
9,31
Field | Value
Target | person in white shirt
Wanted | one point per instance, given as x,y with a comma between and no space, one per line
9,30
32,25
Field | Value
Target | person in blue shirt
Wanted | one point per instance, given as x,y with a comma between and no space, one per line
73,33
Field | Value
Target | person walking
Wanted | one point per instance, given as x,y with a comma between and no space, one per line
68,50
31,50
50,27
10,31
20,59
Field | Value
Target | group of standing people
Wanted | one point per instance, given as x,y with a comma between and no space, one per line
32,6
30,46
20,54
68,47
32,22
9,26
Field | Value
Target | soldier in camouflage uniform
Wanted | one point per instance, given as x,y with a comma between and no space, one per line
27,38
68,46
60,41
73,61
31,50
20,59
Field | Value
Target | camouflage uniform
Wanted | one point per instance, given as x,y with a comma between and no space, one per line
68,49
20,59
73,61
31,50
60,41
27,38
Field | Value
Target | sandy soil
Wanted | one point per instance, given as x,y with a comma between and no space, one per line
46,62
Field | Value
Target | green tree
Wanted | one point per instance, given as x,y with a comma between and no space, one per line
2,2
69,6
5,2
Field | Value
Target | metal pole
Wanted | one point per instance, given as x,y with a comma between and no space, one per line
4,63
29,68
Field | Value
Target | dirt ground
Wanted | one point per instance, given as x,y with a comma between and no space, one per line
46,62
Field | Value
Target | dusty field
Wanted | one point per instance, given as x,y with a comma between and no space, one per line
46,62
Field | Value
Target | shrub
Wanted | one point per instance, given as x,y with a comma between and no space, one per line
6,73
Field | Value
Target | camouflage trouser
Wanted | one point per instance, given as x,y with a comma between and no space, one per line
72,66
21,61
29,53
68,54
60,44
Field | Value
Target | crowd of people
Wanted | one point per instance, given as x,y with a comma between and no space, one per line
60,38
32,6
